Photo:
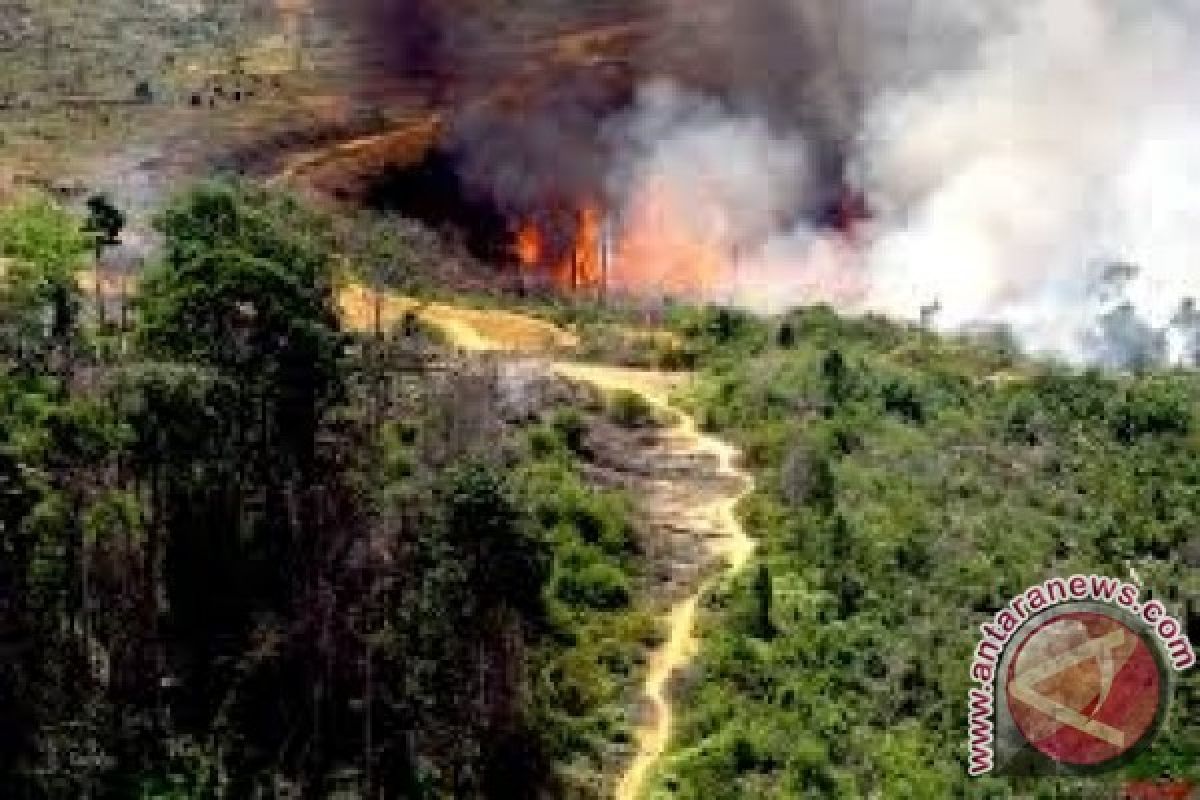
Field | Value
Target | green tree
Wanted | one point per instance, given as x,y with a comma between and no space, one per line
505,563
56,447
836,373
104,222
239,324
41,249
245,287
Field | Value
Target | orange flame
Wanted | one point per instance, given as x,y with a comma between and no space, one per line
587,256
577,266
528,245
672,245
669,241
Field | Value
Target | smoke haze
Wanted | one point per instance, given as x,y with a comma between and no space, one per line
1010,152
1008,189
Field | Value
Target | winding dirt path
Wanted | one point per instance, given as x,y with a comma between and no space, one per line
726,537
713,521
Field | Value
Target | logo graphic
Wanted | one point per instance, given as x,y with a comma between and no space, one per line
1074,674
1084,688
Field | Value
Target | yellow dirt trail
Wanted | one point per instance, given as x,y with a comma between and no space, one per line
476,330
503,331
729,541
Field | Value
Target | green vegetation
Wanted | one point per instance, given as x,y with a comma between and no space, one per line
245,552
630,409
908,486
589,667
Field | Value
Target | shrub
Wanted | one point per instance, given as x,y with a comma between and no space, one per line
570,426
1156,408
596,585
630,410
901,399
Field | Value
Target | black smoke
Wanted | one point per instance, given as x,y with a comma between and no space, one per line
402,38
523,126
804,65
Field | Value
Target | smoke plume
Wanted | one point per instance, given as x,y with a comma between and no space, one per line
1008,189
1012,155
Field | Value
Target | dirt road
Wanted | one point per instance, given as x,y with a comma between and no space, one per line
716,521
712,521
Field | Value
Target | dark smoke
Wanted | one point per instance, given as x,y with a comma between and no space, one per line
405,38
524,139
802,65
798,65
545,152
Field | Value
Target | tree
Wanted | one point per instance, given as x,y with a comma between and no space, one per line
505,567
763,595
104,225
41,249
504,562
245,291
55,448
246,287
239,316
836,374
104,222
785,337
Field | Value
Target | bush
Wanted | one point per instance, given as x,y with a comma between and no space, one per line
596,585
571,428
630,410
901,399
544,442
1156,408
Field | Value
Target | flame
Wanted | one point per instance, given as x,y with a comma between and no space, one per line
577,265
668,241
528,245
682,241
587,252
672,245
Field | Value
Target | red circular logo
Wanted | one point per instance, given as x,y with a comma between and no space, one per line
1084,689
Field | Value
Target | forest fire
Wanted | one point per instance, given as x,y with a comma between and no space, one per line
572,262
667,243
672,245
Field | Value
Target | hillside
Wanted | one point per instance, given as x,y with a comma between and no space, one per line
483,568
909,485
375,421
95,91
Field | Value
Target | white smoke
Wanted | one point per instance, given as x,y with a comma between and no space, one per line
700,189
1011,153
1006,188
709,201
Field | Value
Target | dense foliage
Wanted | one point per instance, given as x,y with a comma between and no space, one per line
248,554
245,552
908,486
